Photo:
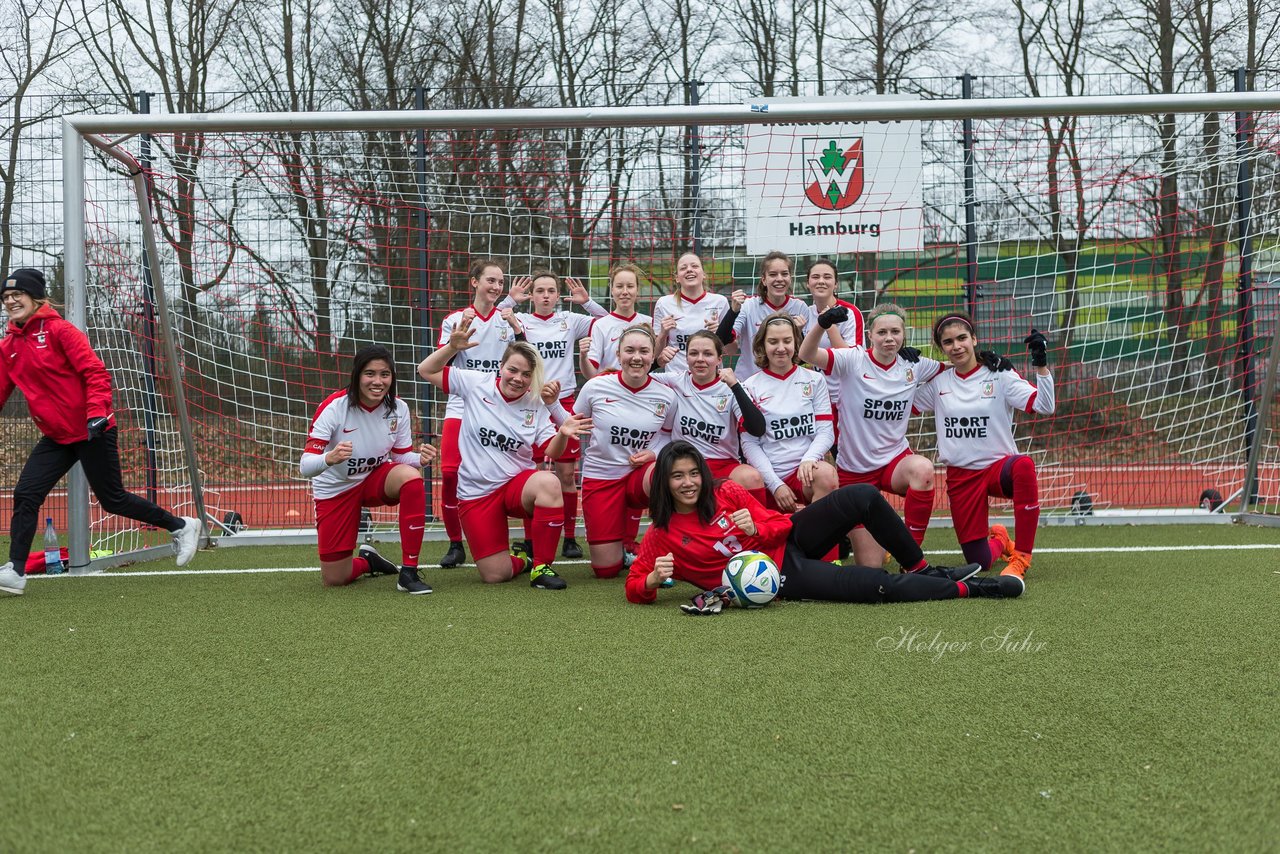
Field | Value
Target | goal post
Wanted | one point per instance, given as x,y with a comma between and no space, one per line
283,240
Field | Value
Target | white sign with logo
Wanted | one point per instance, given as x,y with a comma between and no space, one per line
834,188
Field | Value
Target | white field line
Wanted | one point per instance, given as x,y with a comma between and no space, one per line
261,570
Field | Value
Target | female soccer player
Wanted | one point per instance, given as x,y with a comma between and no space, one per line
632,417
696,527
68,392
601,352
876,389
797,414
359,453
504,423
555,335
973,410
491,333
711,405
689,308
773,294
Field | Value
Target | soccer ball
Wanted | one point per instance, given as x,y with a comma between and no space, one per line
753,577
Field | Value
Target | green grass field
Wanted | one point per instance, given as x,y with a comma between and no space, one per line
1127,702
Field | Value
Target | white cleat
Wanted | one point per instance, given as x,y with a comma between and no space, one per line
10,581
186,540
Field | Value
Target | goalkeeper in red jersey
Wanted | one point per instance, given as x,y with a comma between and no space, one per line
359,454
697,526
973,410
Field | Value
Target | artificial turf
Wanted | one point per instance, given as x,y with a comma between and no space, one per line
1127,702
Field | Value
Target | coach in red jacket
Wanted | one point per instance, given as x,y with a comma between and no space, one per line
68,392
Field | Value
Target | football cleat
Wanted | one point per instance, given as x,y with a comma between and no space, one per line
378,565
1000,534
1000,587
1019,563
544,577
11,581
571,549
409,582
186,540
454,556
952,573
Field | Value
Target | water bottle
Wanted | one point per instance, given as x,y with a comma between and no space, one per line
53,564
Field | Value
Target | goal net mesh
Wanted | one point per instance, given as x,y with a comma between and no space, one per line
282,253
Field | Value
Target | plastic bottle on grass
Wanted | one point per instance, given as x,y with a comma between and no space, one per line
53,564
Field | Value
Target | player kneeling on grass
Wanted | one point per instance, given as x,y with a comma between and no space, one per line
360,453
504,422
697,526
68,392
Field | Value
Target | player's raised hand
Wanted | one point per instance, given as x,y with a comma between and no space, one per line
576,426
737,298
509,315
728,377
832,316
785,497
1038,346
668,323
578,293
550,392
584,346
521,288
994,361
742,518
469,314
664,567
665,357
427,453
340,454
460,337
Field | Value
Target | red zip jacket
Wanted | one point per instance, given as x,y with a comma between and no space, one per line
64,381
701,551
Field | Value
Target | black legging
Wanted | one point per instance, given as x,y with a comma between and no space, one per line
818,528
48,462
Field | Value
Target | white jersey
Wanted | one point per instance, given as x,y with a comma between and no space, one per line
797,418
753,313
875,405
491,333
376,435
852,331
605,332
624,421
498,435
707,417
973,413
691,316
555,337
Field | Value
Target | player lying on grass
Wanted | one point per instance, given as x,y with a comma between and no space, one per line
555,334
973,410
68,392
697,526
504,424
359,453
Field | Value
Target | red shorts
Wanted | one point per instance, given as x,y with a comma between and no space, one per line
720,469
573,451
606,503
968,491
450,454
338,518
792,481
484,520
881,478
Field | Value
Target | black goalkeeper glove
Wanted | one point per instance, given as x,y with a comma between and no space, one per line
909,354
96,427
832,316
1038,347
709,602
994,361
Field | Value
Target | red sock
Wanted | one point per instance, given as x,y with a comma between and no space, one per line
607,571
762,495
921,565
547,522
570,513
517,566
413,516
997,549
917,509
1026,506
359,566
963,590
631,530
449,505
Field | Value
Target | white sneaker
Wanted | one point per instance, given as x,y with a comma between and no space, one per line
186,540
10,581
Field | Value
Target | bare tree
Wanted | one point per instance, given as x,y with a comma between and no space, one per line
885,40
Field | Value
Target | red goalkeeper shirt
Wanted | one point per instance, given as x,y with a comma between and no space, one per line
701,551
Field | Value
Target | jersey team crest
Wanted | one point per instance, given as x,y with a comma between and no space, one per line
806,389
722,403
836,169
660,410
911,375
528,416
988,389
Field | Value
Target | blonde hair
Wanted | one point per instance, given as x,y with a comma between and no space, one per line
757,343
675,284
530,354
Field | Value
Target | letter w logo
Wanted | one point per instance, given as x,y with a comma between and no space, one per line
835,172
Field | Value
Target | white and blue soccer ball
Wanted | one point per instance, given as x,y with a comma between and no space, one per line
753,577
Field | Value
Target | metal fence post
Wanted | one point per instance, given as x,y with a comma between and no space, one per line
77,313
1244,291
970,205
425,392
151,405
693,173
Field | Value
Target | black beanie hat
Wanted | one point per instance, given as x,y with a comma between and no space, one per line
27,280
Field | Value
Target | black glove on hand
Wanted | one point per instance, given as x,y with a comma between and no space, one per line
909,354
96,427
837,314
709,602
994,361
1038,347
